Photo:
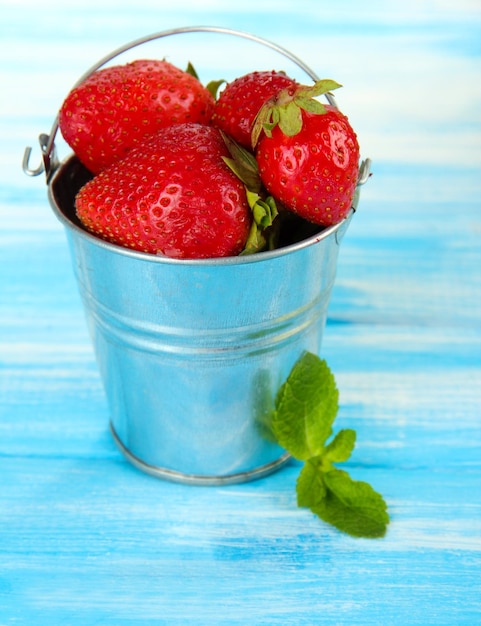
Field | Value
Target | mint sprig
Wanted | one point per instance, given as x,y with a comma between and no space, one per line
305,409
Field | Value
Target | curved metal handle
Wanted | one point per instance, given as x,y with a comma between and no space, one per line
49,161
47,142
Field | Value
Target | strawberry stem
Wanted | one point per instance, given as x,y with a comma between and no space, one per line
284,109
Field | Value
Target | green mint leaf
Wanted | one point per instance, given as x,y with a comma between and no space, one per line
304,411
310,487
263,404
352,506
341,447
306,407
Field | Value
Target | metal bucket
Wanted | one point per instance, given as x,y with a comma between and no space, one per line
192,352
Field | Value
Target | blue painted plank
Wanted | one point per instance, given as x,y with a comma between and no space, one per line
78,551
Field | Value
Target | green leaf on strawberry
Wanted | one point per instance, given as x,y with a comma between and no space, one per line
289,119
310,105
284,109
190,69
213,87
240,101
263,207
243,163
308,161
261,235
320,87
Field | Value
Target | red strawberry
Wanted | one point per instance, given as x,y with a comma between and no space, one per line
240,101
312,165
172,196
116,107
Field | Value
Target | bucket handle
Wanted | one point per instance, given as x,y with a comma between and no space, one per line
50,162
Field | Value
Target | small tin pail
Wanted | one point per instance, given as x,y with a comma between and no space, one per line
192,352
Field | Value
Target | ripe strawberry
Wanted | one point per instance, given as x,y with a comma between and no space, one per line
240,101
308,156
172,196
116,107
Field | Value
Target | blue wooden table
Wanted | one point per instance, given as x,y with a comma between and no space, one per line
87,539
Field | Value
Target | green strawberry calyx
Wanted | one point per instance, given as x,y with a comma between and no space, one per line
213,86
284,109
263,207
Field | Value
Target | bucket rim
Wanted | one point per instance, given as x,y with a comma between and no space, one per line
337,230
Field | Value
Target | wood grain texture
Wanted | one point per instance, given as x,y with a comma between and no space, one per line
85,538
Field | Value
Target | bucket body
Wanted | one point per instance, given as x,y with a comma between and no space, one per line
192,353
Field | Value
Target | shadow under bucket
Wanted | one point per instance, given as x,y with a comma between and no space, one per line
192,352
